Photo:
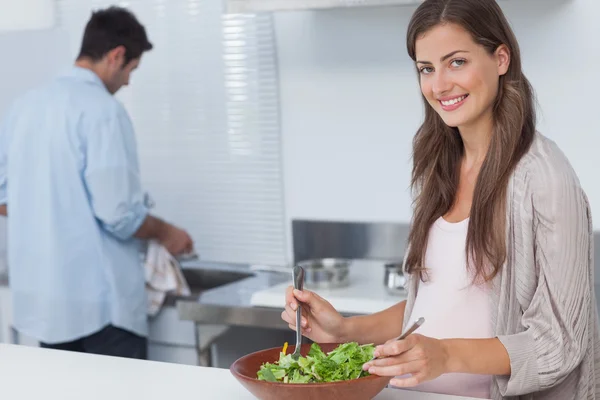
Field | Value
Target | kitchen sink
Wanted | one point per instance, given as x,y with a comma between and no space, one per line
200,280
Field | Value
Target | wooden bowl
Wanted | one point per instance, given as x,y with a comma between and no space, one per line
245,369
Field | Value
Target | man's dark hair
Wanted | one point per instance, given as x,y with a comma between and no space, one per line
110,28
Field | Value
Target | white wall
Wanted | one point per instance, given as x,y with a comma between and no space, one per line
30,58
351,103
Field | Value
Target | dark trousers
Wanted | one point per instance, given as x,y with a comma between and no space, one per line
110,341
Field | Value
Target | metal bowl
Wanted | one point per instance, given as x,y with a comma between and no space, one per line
394,279
326,273
322,273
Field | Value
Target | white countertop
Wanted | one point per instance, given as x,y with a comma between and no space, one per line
31,373
366,293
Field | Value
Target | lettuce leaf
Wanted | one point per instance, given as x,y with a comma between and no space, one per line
343,363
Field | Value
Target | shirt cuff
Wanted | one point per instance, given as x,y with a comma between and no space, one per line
129,224
524,377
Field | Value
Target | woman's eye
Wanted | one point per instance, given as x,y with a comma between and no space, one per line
458,63
426,70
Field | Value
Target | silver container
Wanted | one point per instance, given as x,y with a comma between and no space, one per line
393,278
323,273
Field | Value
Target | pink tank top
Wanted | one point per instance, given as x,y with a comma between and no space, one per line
452,306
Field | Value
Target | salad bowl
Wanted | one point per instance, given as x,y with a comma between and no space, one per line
280,379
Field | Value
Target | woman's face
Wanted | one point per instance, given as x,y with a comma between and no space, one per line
458,77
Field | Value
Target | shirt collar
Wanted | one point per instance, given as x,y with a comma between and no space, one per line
85,75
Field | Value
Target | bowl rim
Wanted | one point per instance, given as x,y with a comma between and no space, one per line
313,384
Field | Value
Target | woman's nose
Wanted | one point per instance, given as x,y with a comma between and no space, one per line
441,84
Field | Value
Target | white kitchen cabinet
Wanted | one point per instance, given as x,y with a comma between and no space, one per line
172,353
171,340
254,6
167,328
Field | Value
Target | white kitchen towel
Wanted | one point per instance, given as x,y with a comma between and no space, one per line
163,276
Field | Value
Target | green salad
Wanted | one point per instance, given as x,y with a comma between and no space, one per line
343,363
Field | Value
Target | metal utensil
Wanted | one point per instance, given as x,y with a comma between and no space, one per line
394,279
298,276
323,273
410,330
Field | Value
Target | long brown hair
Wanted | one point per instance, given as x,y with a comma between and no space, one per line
438,149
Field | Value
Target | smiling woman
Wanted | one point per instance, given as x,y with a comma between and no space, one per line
474,86
499,259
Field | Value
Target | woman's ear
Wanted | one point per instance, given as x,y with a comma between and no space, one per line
502,56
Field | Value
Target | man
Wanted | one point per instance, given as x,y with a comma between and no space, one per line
70,184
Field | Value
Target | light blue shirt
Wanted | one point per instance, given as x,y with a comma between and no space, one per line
69,174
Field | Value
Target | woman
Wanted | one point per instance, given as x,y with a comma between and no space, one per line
499,258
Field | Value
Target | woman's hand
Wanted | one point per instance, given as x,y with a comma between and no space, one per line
420,358
320,321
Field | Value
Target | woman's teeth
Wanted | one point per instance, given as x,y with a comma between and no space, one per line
454,101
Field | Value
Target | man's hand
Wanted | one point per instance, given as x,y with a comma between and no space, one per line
176,241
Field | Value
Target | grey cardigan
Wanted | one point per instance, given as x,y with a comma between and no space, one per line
544,308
